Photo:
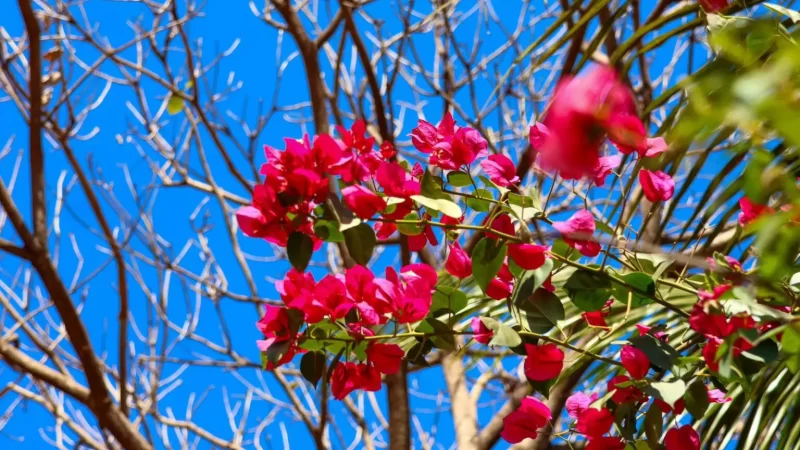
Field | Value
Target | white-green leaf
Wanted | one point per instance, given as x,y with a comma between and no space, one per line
446,207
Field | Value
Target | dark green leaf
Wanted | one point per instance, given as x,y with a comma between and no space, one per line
276,351
653,424
561,248
416,354
448,298
311,366
328,231
542,309
588,290
487,259
543,387
360,242
637,283
696,399
660,354
300,247
442,336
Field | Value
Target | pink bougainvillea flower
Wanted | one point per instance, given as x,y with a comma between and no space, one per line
527,256
425,271
595,319
579,402
709,319
274,323
712,6
710,353
644,329
717,396
733,263
751,211
266,217
607,443
330,300
359,283
386,358
458,263
387,150
623,394
410,294
683,438
482,333
296,289
543,362
594,422
425,136
525,421
349,376
715,293
499,289
548,284
577,231
657,186
583,111
463,148
655,147
500,169
501,224
604,167
356,138
363,202
665,408
635,361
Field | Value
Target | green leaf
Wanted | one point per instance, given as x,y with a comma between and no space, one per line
561,248
360,242
487,259
640,281
588,290
478,204
328,231
794,15
660,354
410,229
504,335
275,352
543,387
312,364
668,391
443,205
299,248
603,227
444,339
416,354
790,341
543,310
174,104
448,298
459,179
532,280
653,424
696,399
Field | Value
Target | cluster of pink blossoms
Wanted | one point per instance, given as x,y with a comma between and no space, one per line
375,187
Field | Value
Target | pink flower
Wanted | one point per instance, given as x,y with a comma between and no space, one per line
458,263
717,396
266,217
356,137
607,443
410,294
274,323
644,329
330,300
579,402
425,136
501,224
349,376
595,319
583,111
604,167
657,186
710,354
296,289
635,361
623,394
500,169
527,256
683,438
526,420
594,422
387,150
680,406
466,145
482,333
712,6
291,350
655,147
751,211
499,289
543,362
363,202
386,358
577,232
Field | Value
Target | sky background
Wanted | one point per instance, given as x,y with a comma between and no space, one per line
253,64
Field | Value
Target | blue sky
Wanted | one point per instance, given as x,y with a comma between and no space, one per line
253,64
